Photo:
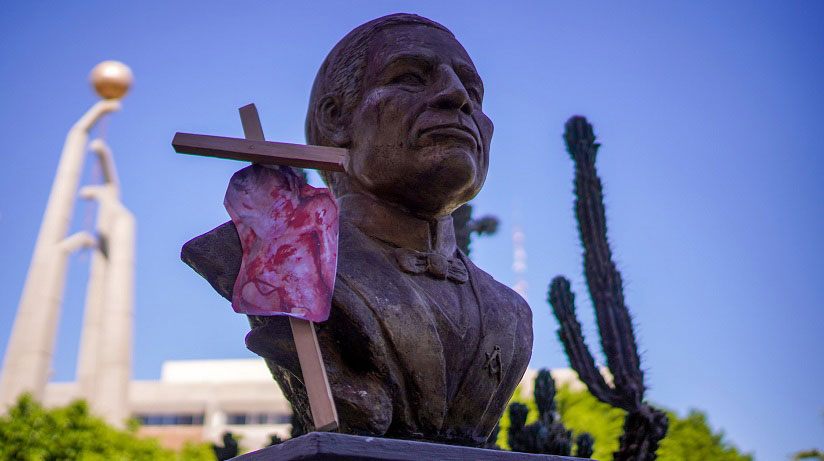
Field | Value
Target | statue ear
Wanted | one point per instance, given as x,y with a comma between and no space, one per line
331,122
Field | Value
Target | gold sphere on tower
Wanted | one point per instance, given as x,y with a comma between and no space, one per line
111,79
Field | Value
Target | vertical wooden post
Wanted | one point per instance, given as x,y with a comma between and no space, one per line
324,413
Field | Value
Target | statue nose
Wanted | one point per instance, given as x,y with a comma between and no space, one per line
452,94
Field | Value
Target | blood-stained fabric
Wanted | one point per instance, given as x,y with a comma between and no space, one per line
289,234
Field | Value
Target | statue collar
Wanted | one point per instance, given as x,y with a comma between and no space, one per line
397,227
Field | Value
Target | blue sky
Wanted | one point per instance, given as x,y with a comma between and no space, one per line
709,114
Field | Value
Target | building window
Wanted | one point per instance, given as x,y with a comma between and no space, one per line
170,419
257,418
236,418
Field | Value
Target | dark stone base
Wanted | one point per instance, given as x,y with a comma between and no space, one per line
342,447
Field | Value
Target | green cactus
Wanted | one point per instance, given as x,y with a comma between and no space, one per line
547,435
644,426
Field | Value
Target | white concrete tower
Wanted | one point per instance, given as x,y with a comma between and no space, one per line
28,355
104,359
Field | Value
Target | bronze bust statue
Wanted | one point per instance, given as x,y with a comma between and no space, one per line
420,343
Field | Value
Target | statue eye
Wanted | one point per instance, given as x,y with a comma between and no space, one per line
407,78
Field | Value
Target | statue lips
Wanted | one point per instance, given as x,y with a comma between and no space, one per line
452,130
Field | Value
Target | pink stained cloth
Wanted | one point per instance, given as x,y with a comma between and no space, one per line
289,234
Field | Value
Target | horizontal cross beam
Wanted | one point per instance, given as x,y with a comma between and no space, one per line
265,152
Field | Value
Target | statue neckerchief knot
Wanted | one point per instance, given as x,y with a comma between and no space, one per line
420,343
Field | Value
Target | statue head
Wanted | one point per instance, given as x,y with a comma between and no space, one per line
404,97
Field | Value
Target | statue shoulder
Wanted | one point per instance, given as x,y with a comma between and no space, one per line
361,257
493,291
216,256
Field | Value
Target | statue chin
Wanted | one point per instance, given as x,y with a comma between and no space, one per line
447,184
457,173
432,181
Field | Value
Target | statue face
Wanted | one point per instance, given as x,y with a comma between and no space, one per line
419,137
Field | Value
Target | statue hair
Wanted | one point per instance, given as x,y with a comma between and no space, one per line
341,75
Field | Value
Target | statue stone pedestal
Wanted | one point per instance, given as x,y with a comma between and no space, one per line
343,447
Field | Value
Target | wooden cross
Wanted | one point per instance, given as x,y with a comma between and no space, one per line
257,150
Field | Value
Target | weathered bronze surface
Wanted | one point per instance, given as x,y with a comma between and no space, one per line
420,344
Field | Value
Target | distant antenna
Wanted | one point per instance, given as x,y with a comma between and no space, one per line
519,261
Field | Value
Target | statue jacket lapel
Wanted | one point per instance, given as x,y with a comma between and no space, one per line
410,348
501,359
408,341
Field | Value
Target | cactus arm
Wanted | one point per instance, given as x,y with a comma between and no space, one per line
563,305
603,279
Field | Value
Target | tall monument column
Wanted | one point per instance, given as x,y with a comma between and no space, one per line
104,362
29,353
90,340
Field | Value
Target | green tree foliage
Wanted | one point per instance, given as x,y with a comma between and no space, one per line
809,454
691,439
465,226
688,439
582,412
30,432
